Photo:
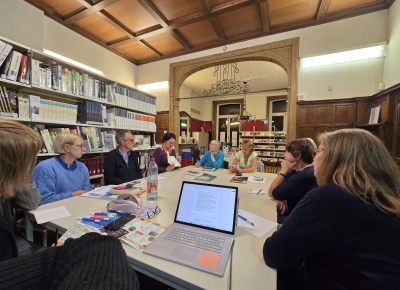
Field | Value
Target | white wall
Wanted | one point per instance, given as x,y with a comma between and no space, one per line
66,42
391,75
22,23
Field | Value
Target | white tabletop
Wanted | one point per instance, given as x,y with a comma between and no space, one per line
249,270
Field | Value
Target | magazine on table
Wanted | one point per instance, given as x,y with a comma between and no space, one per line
205,177
240,179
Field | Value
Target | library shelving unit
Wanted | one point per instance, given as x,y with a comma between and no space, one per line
269,145
114,105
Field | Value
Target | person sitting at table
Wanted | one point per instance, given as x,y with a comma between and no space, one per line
246,159
296,177
162,153
214,157
61,267
346,231
122,164
63,176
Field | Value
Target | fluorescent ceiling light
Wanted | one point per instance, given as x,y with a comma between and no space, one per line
73,62
345,56
153,86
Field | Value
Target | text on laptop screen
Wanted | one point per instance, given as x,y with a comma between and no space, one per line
207,205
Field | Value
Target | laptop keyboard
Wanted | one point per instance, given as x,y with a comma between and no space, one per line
200,241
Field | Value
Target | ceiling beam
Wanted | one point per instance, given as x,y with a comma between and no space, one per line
323,8
264,15
153,11
218,29
152,48
189,20
389,3
181,39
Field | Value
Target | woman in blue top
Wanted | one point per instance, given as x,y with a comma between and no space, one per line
63,176
213,158
296,177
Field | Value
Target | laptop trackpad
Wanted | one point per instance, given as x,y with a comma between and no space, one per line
184,253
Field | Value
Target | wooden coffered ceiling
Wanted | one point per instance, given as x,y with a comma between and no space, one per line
144,31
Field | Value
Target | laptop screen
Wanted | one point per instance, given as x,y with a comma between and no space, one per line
208,206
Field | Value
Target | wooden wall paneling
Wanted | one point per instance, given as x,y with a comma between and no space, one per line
324,115
306,132
162,122
344,115
306,116
321,129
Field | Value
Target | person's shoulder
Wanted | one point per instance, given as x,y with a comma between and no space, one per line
327,192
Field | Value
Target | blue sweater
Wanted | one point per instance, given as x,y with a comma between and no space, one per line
56,181
218,163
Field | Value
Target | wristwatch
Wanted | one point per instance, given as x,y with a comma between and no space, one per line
280,173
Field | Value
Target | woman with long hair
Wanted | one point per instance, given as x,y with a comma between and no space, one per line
346,232
63,267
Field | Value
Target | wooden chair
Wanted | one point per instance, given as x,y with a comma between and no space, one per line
272,166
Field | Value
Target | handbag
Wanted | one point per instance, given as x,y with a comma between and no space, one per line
133,205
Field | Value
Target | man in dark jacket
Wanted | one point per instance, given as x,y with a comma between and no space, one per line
121,164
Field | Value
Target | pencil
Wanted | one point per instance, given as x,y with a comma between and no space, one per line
56,236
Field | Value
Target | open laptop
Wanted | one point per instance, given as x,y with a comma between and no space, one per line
202,234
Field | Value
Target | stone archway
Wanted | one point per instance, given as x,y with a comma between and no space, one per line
284,53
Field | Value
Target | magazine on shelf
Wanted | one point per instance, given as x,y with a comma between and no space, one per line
374,116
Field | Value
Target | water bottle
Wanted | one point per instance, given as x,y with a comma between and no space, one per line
152,181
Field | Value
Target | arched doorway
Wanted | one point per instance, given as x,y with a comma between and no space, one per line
284,53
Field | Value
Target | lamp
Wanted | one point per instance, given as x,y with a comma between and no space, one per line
245,116
226,81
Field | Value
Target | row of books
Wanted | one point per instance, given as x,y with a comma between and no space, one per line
133,100
8,103
53,76
95,165
92,113
125,119
13,64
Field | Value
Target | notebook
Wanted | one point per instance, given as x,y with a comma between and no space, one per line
202,234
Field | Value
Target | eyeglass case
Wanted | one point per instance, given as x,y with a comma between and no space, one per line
132,206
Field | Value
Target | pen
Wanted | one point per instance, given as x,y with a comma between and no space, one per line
259,192
246,220
85,219
56,237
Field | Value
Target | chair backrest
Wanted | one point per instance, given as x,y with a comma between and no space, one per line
272,166
226,164
260,166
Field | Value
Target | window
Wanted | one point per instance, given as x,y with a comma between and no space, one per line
277,115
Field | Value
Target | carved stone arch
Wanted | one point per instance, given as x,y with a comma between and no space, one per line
284,53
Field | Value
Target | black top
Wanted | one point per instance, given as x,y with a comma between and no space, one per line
344,242
89,262
295,186
7,241
116,171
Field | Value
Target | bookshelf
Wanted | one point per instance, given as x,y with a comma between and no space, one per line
269,145
64,91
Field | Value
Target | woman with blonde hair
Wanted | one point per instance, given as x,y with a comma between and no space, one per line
246,159
63,176
346,232
63,267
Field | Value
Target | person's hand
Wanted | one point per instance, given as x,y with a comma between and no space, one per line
59,244
197,164
233,168
286,166
171,167
78,192
280,206
213,153
179,159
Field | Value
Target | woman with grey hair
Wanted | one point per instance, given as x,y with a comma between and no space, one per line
213,158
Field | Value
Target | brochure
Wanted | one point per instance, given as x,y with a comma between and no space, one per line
205,177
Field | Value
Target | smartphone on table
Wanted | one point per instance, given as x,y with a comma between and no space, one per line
120,222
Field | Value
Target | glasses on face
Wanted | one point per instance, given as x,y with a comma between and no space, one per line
82,146
129,140
320,149
172,143
152,214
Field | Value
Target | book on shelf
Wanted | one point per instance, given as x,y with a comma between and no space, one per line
3,104
22,69
239,179
23,106
37,130
6,66
14,66
2,46
4,54
34,102
374,116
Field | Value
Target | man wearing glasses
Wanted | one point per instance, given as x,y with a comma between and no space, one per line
122,164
